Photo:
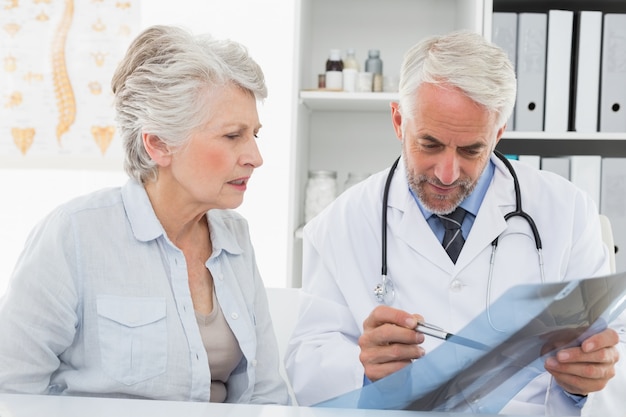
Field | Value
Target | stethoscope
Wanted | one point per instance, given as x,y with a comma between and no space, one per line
385,293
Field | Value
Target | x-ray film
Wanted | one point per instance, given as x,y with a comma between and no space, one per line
522,328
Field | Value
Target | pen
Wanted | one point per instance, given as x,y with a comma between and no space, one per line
439,333
432,330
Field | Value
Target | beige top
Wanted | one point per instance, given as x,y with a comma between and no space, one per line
221,347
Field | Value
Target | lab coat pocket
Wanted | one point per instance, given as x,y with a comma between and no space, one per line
133,337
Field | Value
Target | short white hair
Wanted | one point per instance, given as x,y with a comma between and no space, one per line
461,59
161,88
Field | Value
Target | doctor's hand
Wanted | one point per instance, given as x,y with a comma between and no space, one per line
588,367
389,341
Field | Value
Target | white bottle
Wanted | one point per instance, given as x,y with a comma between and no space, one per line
350,60
334,68
350,71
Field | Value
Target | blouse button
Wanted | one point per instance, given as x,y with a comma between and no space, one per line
234,316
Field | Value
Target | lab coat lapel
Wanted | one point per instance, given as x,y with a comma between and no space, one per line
407,224
489,222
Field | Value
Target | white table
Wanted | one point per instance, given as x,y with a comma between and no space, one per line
18,405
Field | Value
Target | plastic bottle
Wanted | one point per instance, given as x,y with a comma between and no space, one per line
350,71
334,67
350,61
374,65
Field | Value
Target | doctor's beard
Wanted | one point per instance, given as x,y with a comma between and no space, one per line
438,203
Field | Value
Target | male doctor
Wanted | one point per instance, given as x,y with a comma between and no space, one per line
456,93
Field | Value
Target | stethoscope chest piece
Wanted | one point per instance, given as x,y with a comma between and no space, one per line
384,291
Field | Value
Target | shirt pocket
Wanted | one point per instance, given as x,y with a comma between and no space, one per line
133,337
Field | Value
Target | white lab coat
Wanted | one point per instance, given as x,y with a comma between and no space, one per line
342,265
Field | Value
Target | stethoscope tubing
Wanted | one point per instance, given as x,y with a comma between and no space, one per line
384,222
384,291
518,204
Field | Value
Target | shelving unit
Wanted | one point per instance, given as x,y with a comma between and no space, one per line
567,143
352,132
561,144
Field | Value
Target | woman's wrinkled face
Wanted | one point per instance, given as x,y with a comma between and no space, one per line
214,167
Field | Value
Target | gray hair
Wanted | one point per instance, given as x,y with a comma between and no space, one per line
464,60
161,88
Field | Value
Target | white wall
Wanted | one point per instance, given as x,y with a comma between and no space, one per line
266,27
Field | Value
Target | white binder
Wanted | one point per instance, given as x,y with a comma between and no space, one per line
532,160
504,34
558,70
531,71
613,204
588,71
613,84
586,172
558,165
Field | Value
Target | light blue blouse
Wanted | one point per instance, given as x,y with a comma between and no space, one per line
99,305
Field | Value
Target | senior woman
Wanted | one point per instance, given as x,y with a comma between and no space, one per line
151,290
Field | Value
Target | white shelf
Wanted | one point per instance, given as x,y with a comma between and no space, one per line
344,101
594,136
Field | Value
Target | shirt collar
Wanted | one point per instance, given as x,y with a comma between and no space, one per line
146,225
143,221
472,203
224,237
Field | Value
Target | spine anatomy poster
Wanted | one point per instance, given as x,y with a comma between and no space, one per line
56,62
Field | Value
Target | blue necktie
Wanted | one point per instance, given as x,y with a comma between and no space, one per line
453,238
